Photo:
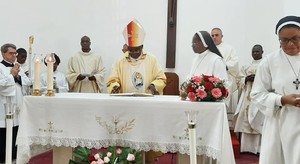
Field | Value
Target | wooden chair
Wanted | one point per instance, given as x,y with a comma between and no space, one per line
172,87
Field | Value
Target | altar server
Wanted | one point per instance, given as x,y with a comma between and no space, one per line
60,81
21,59
12,83
276,90
136,70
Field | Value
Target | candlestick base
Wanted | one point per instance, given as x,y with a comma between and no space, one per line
50,93
36,92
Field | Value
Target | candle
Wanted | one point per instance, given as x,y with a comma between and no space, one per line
192,141
37,73
191,118
50,62
9,129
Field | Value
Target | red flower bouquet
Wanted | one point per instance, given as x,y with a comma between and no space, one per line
203,88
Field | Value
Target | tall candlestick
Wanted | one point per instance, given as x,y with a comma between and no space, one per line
192,117
9,130
37,76
50,60
9,127
192,142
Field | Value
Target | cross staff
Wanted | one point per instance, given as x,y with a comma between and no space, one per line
31,38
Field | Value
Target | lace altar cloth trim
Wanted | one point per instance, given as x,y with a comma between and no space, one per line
26,149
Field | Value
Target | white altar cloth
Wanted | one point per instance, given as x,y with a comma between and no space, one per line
144,123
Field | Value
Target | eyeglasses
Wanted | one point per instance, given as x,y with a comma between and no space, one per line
285,41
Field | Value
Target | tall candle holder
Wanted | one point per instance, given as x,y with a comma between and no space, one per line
50,60
37,75
192,119
9,109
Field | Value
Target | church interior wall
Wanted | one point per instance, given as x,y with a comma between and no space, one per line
58,25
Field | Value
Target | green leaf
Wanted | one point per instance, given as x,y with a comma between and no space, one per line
82,154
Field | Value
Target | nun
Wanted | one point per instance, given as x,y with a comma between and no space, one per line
276,91
208,59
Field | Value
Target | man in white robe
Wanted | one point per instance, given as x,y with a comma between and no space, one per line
12,83
249,119
136,70
60,81
276,91
232,64
85,72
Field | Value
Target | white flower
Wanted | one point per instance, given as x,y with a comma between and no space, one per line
96,156
108,154
130,157
106,159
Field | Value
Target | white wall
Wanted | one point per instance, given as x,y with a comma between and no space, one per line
58,25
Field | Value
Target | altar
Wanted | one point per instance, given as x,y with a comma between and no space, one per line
144,123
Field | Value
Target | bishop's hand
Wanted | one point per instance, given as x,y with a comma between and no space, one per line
153,89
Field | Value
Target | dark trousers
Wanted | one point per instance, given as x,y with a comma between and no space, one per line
3,143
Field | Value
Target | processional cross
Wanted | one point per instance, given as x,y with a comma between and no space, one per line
171,33
296,82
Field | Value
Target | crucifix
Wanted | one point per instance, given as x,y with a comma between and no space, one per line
296,82
171,33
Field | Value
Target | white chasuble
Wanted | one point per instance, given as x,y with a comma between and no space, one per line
86,64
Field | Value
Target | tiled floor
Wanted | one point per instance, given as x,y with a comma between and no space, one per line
245,158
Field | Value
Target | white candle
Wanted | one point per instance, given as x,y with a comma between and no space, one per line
9,130
50,62
192,141
37,73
